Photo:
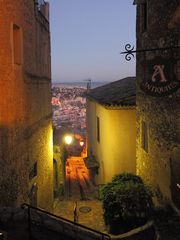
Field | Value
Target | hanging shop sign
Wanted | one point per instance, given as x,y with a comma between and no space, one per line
159,77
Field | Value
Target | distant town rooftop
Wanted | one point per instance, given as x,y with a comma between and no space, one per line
118,93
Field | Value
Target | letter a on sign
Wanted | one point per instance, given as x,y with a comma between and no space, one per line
159,70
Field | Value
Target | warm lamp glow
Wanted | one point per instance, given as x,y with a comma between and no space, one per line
68,139
76,170
81,143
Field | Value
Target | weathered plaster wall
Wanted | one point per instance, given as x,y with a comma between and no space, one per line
162,114
25,110
116,151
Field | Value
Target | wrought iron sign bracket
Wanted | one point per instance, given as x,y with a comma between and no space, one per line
130,50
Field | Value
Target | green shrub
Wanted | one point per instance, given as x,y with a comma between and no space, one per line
127,204
124,177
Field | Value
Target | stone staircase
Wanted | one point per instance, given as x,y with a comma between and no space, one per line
78,184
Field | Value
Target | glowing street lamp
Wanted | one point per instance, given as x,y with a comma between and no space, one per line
81,143
68,139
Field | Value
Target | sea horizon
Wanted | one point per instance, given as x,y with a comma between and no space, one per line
82,84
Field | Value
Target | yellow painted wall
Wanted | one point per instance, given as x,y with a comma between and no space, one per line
116,150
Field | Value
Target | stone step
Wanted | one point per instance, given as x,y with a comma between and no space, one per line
74,186
78,185
86,189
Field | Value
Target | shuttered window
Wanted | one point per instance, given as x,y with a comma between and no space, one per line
98,129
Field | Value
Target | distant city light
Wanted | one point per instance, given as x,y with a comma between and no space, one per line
68,139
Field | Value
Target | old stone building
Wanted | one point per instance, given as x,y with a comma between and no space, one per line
26,160
111,129
158,111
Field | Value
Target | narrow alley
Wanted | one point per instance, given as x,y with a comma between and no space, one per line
78,184
80,203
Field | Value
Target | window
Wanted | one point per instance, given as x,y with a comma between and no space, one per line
17,45
144,16
145,136
33,171
98,129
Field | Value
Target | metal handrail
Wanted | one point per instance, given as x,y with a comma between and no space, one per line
24,205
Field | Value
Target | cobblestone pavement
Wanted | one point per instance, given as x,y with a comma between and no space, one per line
92,219
82,193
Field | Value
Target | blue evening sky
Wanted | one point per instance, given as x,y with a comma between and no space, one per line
87,37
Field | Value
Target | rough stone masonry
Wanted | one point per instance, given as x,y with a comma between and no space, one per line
158,115
26,161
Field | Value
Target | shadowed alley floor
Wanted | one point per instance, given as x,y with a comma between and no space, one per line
80,192
92,219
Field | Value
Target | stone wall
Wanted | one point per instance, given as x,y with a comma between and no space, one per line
25,109
160,113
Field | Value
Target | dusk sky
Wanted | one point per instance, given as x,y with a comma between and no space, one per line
87,37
